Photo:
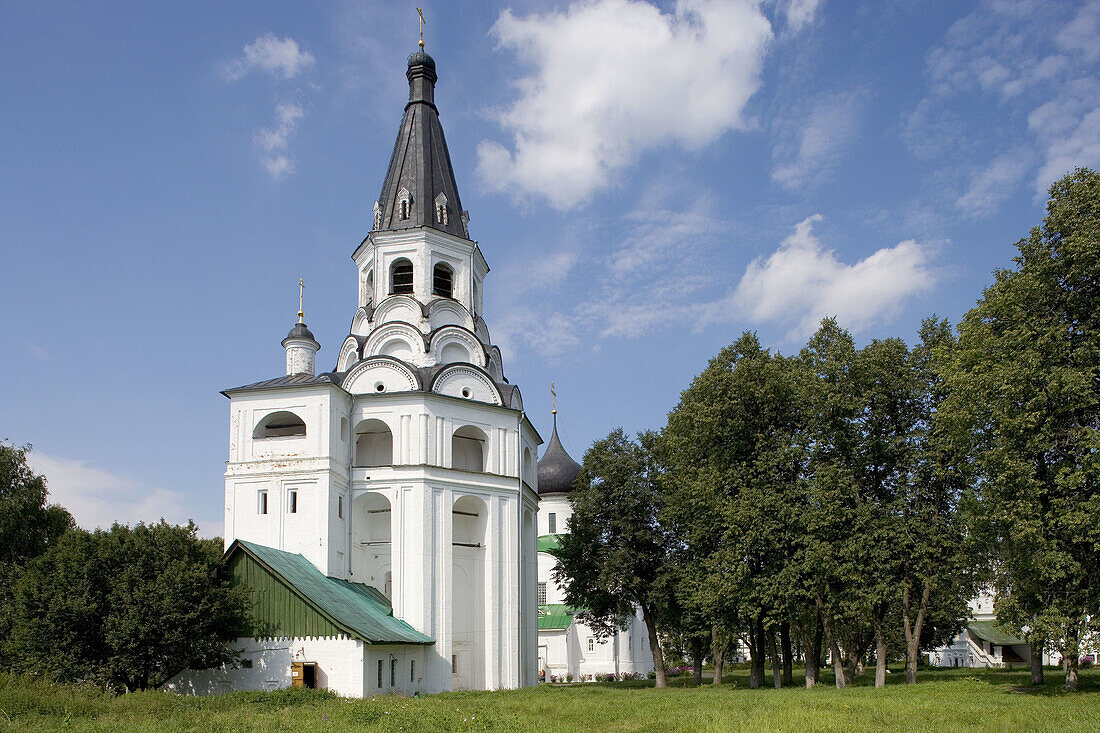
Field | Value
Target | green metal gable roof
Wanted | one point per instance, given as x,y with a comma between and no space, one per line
989,631
357,610
555,617
549,542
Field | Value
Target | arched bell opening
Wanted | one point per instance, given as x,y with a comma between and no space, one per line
469,449
469,521
373,444
372,530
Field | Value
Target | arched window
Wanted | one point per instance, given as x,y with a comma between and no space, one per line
401,277
468,449
279,425
368,289
443,281
373,444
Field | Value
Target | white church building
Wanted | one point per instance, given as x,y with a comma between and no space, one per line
383,514
568,649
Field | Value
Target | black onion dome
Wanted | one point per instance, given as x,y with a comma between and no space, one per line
300,331
420,58
557,470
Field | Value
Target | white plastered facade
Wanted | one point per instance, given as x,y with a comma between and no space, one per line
575,653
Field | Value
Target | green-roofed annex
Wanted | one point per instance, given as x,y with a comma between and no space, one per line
292,598
988,631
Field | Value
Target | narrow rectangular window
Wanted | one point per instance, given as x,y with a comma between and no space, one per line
553,518
412,670
393,672
292,502
454,663
261,501
591,645
340,507
379,674
542,594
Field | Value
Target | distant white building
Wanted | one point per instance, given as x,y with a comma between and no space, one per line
383,514
569,649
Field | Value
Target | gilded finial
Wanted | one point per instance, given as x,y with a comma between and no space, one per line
301,290
553,400
421,14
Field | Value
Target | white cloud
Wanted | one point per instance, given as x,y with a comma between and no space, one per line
274,141
827,131
800,13
802,282
98,498
991,186
279,57
613,78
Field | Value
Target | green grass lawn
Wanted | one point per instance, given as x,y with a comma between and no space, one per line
943,700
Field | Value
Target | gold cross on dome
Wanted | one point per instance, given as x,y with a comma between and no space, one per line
553,399
301,289
421,14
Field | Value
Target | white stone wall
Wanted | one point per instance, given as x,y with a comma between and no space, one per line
339,660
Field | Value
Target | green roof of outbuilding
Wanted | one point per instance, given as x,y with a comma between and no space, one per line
988,630
358,610
549,542
555,617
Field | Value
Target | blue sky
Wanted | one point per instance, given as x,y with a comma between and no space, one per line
646,181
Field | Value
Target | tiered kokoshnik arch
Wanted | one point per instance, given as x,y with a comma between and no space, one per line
406,472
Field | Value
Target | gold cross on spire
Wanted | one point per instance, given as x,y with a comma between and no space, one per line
421,14
301,289
553,399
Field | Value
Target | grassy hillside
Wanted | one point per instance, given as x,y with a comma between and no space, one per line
944,700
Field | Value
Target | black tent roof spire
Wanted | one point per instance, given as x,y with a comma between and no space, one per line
420,188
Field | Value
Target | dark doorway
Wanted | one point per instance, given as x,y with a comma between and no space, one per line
309,675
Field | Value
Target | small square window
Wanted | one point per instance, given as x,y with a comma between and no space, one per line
261,501
542,594
292,502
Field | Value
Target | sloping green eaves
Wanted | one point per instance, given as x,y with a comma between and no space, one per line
549,542
354,609
555,617
988,631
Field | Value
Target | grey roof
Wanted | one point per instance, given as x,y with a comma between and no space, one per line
421,163
557,470
301,331
291,380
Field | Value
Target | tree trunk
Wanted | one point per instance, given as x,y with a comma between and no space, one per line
880,655
655,648
834,649
718,644
1037,664
813,652
788,653
756,641
1070,658
773,652
696,661
913,631
851,662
